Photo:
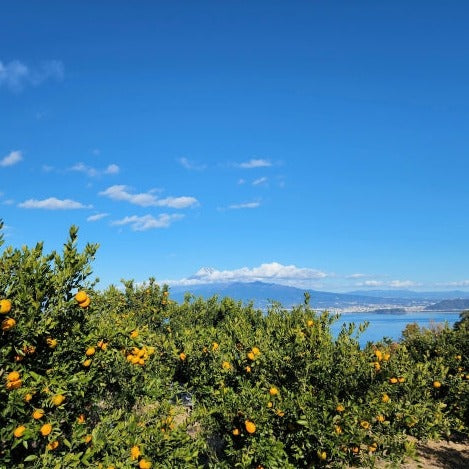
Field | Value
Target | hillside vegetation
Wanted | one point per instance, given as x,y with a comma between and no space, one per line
127,378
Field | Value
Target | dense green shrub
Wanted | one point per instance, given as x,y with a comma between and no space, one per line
133,379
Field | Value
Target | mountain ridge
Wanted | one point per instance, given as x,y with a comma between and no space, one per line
263,293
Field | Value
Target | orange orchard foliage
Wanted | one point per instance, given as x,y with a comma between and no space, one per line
70,386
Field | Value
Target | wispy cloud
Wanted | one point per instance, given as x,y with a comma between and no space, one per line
93,172
190,165
358,275
255,163
388,283
259,181
52,203
11,159
112,169
244,205
98,216
147,199
148,222
273,272
457,284
16,75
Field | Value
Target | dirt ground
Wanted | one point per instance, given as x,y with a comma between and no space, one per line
437,455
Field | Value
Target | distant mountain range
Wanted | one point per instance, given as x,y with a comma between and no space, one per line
413,295
262,294
458,304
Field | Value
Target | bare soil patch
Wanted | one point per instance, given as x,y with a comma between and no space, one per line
453,454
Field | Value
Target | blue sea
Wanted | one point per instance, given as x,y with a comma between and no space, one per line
392,325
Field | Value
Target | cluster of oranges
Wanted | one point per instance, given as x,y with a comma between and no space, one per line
90,351
395,380
14,380
83,299
253,354
135,455
380,357
5,308
139,356
249,425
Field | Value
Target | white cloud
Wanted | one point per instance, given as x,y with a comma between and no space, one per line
460,283
356,276
244,205
11,159
241,181
53,203
187,164
259,181
93,172
271,272
148,222
15,75
82,168
112,169
147,199
388,283
98,216
402,284
255,163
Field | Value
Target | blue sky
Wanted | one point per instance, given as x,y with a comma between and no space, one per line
318,144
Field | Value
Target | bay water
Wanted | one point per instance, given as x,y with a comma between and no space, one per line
392,325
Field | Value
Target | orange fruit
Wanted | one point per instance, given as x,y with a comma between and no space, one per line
322,455
14,384
134,452
8,324
81,296
5,306
38,414
53,445
52,343
46,429
250,426
86,303
58,399
19,431
13,376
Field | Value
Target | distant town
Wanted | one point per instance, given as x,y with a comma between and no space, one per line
263,294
